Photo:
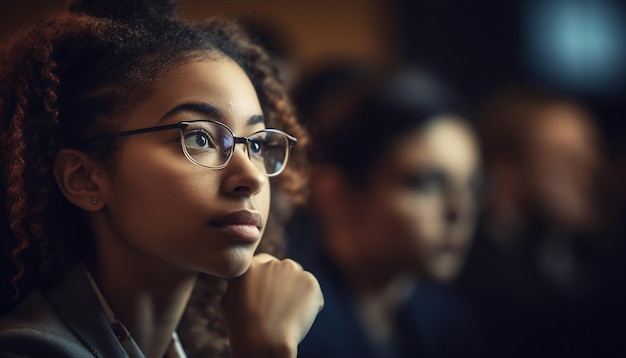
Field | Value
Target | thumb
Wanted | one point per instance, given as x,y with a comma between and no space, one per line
263,258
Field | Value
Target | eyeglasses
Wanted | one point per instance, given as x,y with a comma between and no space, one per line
211,144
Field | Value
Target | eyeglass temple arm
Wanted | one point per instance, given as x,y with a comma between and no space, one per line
139,131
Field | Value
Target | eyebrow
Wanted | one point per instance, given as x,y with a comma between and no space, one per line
202,108
256,119
208,110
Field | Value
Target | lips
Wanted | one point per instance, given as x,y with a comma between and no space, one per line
242,217
243,225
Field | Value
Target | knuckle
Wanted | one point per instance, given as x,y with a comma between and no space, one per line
292,263
310,280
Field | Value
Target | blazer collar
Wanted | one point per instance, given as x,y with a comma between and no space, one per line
77,304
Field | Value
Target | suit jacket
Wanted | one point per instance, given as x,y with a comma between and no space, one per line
66,321
433,323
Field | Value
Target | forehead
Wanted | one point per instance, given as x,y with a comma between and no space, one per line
446,143
218,81
563,123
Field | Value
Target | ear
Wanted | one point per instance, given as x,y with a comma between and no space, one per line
77,176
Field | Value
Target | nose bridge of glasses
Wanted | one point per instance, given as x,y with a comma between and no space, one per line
256,161
242,140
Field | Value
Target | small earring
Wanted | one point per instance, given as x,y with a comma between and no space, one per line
94,200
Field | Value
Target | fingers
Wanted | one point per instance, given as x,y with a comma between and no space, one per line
316,288
273,304
263,258
294,264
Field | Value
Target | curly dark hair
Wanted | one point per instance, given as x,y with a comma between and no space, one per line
69,78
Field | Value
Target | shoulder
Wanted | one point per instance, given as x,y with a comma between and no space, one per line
33,329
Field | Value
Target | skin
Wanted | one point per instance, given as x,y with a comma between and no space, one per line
157,220
418,213
444,233
562,167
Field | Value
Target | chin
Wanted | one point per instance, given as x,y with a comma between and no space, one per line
446,272
236,271
231,266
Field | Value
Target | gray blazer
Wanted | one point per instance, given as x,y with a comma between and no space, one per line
67,321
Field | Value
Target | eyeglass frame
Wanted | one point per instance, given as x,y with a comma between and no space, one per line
291,140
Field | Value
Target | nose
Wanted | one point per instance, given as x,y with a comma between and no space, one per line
242,178
457,206
452,213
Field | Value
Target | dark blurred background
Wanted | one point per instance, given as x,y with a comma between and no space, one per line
577,46
574,46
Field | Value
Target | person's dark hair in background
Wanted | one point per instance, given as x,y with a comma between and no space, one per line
394,185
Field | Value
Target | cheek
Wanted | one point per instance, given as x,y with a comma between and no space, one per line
262,201
410,223
161,207
420,229
160,196
421,216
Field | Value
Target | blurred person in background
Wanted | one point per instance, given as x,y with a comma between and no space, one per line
394,190
542,265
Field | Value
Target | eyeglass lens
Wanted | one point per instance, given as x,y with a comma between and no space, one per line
211,145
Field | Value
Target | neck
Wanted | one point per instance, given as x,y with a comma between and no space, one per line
366,276
147,295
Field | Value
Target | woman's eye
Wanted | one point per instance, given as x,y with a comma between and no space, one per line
429,182
199,140
421,184
256,147
429,186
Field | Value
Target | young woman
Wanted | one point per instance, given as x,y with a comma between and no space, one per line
137,154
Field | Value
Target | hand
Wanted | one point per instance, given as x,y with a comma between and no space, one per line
269,309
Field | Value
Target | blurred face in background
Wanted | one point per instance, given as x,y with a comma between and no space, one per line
419,209
563,166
